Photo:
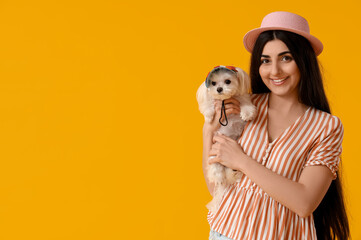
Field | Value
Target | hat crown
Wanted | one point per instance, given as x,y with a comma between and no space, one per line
286,20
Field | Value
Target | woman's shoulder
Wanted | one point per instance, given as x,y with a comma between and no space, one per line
327,120
327,116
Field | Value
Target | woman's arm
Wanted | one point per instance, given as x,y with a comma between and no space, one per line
207,145
302,197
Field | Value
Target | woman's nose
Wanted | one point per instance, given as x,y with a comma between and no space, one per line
275,70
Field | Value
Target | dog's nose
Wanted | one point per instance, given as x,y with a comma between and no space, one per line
219,89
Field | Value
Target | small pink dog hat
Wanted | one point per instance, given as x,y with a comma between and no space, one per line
283,21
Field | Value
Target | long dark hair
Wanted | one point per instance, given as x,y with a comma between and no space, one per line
330,216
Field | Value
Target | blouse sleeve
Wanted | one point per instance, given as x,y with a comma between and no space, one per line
327,147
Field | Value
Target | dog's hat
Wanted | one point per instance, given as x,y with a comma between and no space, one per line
283,21
208,80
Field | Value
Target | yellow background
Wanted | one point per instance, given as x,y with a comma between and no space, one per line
100,129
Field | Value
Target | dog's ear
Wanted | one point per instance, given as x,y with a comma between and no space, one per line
244,81
202,97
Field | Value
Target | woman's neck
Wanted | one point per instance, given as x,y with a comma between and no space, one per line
285,104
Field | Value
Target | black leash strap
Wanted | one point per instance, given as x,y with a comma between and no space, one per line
223,110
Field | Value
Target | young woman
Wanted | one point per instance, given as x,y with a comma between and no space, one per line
290,153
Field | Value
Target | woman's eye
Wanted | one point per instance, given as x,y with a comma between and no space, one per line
287,58
213,83
264,61
228,81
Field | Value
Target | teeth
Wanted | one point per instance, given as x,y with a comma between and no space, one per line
278,80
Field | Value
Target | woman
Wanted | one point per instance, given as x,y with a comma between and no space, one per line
290,153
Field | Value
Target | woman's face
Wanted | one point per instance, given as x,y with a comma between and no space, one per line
278,69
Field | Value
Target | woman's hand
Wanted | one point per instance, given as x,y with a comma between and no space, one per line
231,105
227,152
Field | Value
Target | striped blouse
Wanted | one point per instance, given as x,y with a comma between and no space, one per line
246,211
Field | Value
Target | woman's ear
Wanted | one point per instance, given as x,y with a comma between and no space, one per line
244,81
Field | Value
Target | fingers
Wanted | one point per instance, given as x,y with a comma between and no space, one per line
220,138
213,153
213,159
232,106
233,111
229,111
217,138
229,101
232,101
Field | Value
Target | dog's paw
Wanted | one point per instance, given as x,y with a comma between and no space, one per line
248,112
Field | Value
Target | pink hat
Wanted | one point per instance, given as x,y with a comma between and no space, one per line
283,21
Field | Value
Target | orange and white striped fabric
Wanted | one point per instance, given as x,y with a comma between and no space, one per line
246,211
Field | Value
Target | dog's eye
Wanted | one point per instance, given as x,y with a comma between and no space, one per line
228,81
213,83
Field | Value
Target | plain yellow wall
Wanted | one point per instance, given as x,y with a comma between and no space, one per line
100,128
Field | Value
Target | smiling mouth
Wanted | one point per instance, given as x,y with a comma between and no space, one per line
279,80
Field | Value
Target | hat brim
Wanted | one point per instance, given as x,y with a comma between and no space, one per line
250,38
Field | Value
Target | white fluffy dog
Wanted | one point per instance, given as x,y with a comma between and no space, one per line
224,82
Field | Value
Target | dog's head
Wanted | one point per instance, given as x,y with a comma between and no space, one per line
224,82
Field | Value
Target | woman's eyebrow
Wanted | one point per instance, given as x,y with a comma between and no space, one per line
280,54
